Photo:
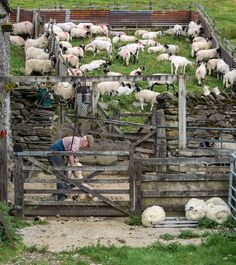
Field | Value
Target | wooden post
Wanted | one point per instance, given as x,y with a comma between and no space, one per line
94,103
3,167
160,139
135,173
18,14
61,120
115,116
182,112
19,187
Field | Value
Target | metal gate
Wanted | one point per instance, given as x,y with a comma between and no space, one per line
232,186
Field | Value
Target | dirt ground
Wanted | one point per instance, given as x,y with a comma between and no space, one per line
67,233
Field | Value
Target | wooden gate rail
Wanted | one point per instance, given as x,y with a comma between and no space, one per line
20,191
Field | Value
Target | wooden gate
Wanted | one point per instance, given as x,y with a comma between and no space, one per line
35,185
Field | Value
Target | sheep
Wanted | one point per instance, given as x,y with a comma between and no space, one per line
100,45
66,26
77,174
204,55
125,55
65,44
72,60
201,73
178,30
40,66
149,43
140,32
78,33
99,29
194,29
126,38
65,90
137,71
105,87
77,51
134,49
157,49
109,73
151,34
85,25
74,72
199,39
146,95
229,79
41,42
24,28
170,32
217,210
125,89
211,65
116,33
221,68
163,57
200,45
171,49
179,61
17,40
153,215
34,53
164,80
195,209
103,38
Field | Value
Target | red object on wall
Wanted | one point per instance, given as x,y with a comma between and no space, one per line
3,133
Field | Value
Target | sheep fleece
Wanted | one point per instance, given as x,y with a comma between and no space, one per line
154,214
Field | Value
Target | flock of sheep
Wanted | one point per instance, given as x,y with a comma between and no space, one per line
41,61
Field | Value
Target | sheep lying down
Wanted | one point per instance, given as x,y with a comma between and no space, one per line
195,209
153,215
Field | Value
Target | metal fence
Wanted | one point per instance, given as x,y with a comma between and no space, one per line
232,187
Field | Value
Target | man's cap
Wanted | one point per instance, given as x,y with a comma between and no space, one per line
90,140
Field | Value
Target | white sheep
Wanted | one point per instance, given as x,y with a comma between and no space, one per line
99,29
146,95
201,73
17,40
65,90
163,57
148,43
179,62
153,215
66,26
41,42
110,73
125,89
157,49
195,209
103,38
100,45
65,44
199,39
74,72
126,38
134,49
151,34
77,174
125,55
205,55
106,87
171,49
78,33
71,59
200,45
62,36
140,32
137,71
116,33
222,68
77,51
164,79
39,66
211,65
93,65
229,79
33,53
24,28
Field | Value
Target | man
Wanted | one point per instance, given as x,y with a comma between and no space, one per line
70,143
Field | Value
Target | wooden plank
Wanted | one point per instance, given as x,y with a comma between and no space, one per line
85,180
19,187
62,191
70,203
184,193
3,170
144,138
160,139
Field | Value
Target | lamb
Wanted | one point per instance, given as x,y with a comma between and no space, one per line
178,30
164,80
157,49
163,57
99,29
126,38
149,43
24,28
85,25
125,55
103,38
62,35
171,49
34,53
140,32
116,33
40,66
146,95
151,34
217,210
65,90
93,65
221,68
137,71
66,26
77,174
199,39
229,79
204,55
179,61
109,73
153,215
100,45
77,51
134,49
195,209
211,65
78,33
105,87
201,73
200,45
71,59
125,89
65,44
41,42
17,40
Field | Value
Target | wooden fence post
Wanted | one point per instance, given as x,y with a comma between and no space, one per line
182,112
18,14
19,187
135,173
3,166
160,139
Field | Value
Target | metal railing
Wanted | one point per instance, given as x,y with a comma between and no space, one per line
232,187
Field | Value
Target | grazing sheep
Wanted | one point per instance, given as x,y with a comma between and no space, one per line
205,55
140,32
66,26
62,35
134,49
164,80
157,49
74,72
138,71
65,44
151,34
99,29
100,45
77,51
78,33
41,42
125,55
148,43
109,73
17,40
146,95
65,90
153,215
163,57
179,62
116,33
195,209
201,73
222,68
105,87
103,38
126,38
40,66
125,89
211,65
24,28
229,79
71,59
34,53
199,39
171,49
93,65
201,45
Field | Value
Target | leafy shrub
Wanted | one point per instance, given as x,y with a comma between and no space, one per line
167,237
135,220
185,234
